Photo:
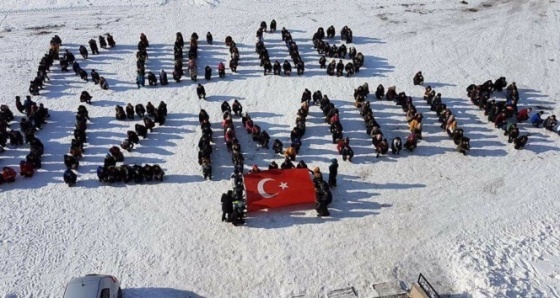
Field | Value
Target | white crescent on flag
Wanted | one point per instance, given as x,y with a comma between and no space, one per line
260,189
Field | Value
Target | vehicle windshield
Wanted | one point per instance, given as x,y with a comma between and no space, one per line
82,290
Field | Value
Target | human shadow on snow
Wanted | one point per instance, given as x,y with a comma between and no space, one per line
159,292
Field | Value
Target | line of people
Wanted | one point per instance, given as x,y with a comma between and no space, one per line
234,54
326,50
105,44
141,57
126,173
110,172
504,114
35,116
205,144
374,129
44,66
192,68
68,58
260,136
75,154
234,205
448,121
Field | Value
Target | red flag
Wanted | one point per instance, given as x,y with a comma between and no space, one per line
276,188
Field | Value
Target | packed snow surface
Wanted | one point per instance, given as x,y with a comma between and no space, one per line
482,225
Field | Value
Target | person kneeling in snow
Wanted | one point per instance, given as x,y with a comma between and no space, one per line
237,217
8,174
70,177
26,169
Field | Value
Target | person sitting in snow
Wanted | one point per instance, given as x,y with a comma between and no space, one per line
418,79
536,119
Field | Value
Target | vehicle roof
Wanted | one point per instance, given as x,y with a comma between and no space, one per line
84,287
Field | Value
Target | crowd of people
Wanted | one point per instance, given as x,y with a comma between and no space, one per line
234,55
45,65
276,68
205,144
35,117
504,113
447,119
110,172
69,58
326,50
373,128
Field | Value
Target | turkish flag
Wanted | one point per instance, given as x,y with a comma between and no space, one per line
276,188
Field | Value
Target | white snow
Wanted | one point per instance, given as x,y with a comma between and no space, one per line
485,224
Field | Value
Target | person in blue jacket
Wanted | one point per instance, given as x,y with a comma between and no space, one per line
536,119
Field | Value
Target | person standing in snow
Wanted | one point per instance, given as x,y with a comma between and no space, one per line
227,205
201,92
333,172
140,80
163,78
93,46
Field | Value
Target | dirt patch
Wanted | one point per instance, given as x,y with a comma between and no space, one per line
42,33
42,28
486,5
471,10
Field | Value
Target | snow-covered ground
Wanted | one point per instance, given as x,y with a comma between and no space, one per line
482,225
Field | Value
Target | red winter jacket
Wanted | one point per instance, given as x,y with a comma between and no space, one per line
523,115
8,174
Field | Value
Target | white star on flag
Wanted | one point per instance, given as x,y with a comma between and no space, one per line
283,185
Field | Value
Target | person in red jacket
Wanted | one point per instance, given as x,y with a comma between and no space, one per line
221,70
523,114
500,120
8,174
26,169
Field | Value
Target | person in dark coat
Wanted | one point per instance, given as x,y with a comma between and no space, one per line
520,142
277,146
396,145
347,152
110,40
102,42
287,67
550,122
83,51
322,197
70,177
163,78
103,83
83,75
237,108
95,76
273,166
227,205
418,79
93,46
201,92
207,171
208,72
333,172
152,79
380,92
287,164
